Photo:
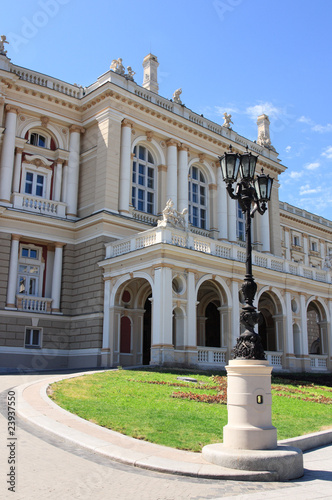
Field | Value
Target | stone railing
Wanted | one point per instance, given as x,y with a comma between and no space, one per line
33,304
303,213
39,205
223,249
212,355
274,358
318,362
47,81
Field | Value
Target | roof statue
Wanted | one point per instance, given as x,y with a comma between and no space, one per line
227,121
173,217
176,96
3,40
130,73
119,68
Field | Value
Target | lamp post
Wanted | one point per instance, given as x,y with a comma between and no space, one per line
253,195
249,438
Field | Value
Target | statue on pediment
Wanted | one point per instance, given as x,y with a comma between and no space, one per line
3,40
176,96
173,217
227,121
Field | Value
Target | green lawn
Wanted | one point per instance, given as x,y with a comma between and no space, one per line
141,404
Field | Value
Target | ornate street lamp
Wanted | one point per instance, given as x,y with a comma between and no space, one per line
253,195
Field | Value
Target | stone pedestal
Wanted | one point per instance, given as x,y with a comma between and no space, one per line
249,403
250,439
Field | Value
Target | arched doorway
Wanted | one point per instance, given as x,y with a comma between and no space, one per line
317,329
270,326
212,315
132,323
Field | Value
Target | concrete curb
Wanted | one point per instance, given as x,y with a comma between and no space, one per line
36,407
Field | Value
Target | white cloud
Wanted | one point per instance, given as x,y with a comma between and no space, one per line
305,119
295,175
288,148
220,110
322,128
266,108
306,189
328,152
312,166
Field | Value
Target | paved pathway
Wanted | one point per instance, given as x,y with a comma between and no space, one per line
49,467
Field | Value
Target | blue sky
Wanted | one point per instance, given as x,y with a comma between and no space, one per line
245,57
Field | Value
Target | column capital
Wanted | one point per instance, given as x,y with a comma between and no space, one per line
77,128
12,109
59,245
19,150
16,237
127,123
60,161
171,142
183,147
162,168
213,187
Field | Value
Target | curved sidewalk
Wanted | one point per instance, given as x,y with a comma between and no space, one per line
34,405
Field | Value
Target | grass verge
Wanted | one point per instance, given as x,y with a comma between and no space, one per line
144,405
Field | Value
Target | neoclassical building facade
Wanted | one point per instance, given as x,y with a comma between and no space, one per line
94,270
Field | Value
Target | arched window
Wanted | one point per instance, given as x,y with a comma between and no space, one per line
197,197
37,137
143,180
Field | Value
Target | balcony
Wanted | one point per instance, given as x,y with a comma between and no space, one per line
39,205
222,249
29,303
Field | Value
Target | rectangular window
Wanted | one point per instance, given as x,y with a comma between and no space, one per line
34,184
297,241
32,338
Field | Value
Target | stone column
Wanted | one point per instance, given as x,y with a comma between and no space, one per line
191,337
265,231
288,331
107,344
222,212
171,187
73,170
161,346
58,179
306,250
183,178
231,210
223,311
13,268
57,275
17,170
7,155
162,180
125,166
304,326
287,244
211,222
